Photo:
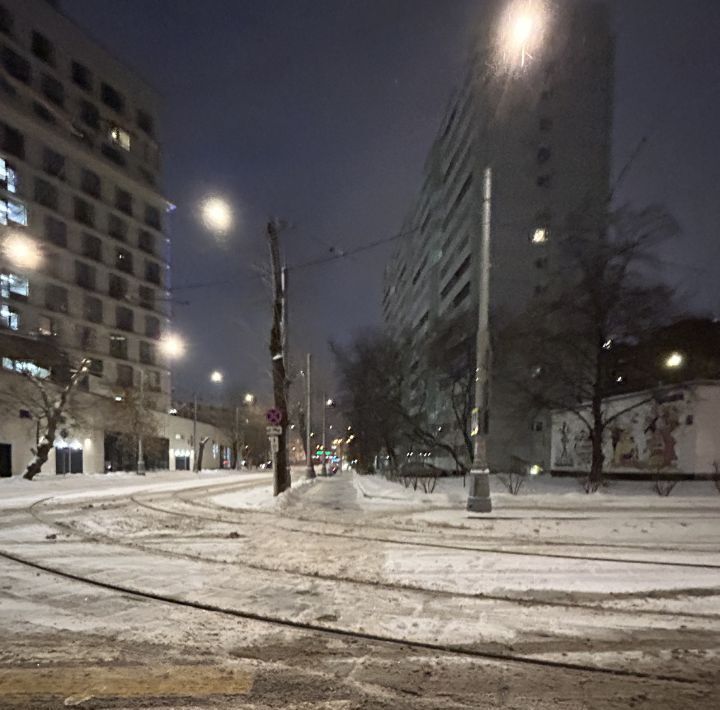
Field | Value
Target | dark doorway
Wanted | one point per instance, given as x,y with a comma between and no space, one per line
182,463
5,460
68,460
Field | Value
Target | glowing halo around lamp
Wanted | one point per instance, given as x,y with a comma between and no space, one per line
21,251
216,214
172,346
522,31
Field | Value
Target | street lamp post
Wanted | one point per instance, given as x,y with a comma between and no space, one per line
309,470
521,33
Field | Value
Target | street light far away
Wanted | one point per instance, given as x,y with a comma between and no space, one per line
216,215
22,252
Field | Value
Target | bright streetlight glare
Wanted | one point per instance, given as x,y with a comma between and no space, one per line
249,398
522,31
216,215
216,376
21,251
172,346
330,403
674,361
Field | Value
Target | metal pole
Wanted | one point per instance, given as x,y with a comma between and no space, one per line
195,451
479,498
324,422
309,470
237,437
140,455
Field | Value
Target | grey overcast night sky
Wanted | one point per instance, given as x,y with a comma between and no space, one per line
322,112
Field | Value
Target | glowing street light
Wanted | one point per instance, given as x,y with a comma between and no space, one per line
522,31
674,361
216,215
216,376
172,346
249,398
21,251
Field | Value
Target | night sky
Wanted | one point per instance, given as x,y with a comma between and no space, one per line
322,112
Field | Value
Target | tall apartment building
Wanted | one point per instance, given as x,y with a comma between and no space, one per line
542,123
79,175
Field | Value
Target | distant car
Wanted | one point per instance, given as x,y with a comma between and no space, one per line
266,464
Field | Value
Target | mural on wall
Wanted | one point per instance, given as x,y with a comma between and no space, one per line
643,439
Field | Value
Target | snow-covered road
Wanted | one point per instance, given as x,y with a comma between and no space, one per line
619,585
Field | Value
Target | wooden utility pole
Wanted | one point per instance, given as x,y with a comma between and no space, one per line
281,473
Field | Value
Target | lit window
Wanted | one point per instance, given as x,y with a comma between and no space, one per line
13,213
30,368
8,176
119,136
9,318
45,326
12,285
540,235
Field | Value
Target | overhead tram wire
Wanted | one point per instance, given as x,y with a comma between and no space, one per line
336,256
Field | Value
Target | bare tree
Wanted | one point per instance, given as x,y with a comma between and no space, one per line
559,352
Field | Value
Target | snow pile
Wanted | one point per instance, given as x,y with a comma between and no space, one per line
262,498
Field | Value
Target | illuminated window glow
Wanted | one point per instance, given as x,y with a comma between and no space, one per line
8,176
13,213
12,285
120,137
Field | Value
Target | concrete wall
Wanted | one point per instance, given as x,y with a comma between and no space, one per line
671,430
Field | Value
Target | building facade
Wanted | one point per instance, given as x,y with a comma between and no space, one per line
83,220
80,176
538,114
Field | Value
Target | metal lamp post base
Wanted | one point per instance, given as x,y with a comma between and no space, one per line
479,498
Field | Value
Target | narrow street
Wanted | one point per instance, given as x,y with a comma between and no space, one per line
180,595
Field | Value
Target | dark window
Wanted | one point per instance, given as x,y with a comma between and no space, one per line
152,272
146,296
118,346
42,111
93,309
123,201
124,375
145,122
152,327
96,367
91,247
13,142
117,286
546,124
153,381
84,212
81,75
46,194
113,154
53,89
462,295
544,181
458,200
56,298
124,261
541,263
6,21
110,97
84,275
147,175
85,337
146,241
55,231
90,183
42,48
455,277
117,227
89,114
537,425
152,217
147,353
124,318
18,67
544,154
53,163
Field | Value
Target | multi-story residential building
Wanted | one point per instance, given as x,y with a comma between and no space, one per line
79,175
80,188
541,120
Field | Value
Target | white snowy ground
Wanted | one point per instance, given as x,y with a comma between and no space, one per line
623,579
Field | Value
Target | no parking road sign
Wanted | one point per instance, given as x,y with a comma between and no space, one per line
274,416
